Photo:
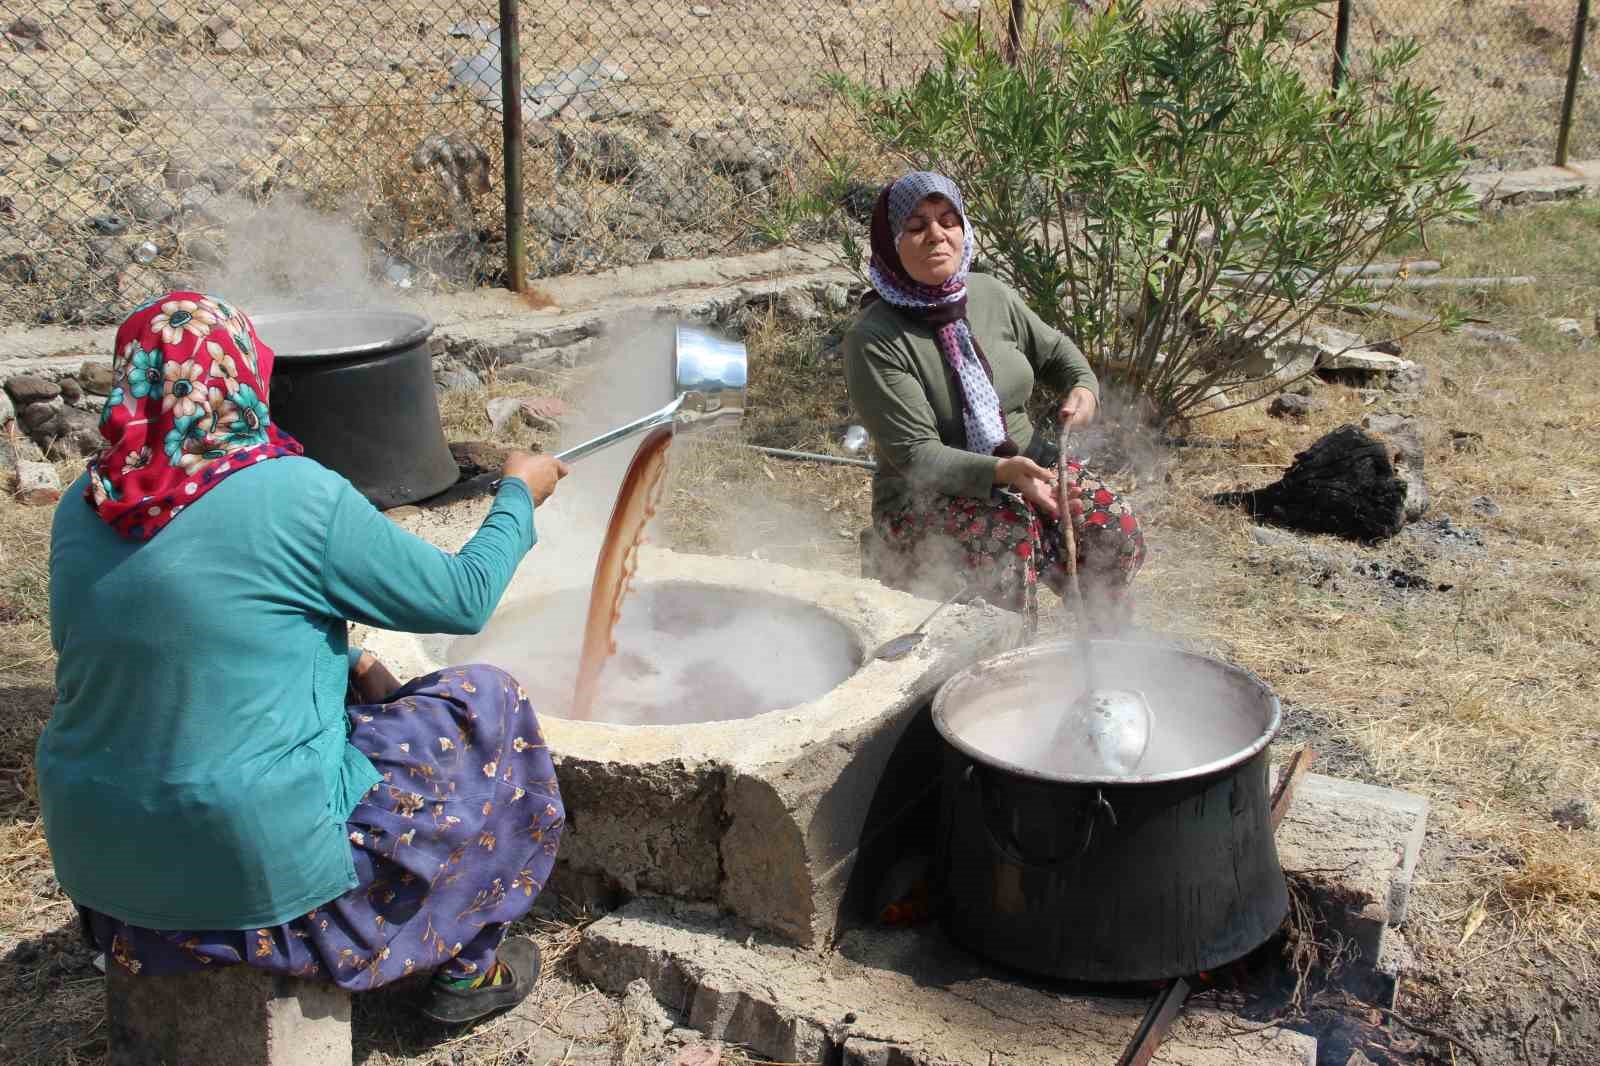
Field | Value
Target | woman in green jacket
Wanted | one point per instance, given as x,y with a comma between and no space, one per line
208,796
940,366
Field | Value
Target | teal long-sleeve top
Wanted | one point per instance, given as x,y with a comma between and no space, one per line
195,772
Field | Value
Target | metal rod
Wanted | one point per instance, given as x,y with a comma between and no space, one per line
1019,14
813,457
1574,68
511,121
1283,795
1155,1024
1341,42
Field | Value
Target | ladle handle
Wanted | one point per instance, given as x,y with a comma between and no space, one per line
612,436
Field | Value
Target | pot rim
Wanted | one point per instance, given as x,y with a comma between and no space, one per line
412,329
994,662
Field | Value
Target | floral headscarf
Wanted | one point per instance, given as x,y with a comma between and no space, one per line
943,307
188,407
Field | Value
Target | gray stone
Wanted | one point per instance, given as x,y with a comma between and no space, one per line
228,42
112,225
71,391
731,153
1404,437
700,11
38,484
1567,327
459,378
1273,538
178,175
233,1014
27,33
502,411
798,305
895,996
204,251
1291,405
163,25
31,388
9,135
836,297
7,410
18,268
148,205
59,159
96,378
1485,506
1574,814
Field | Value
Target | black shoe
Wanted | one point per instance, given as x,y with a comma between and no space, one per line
457,1006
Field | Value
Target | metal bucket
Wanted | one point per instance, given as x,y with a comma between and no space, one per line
1060,868
356,389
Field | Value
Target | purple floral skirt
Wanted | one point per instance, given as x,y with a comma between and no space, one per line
441,876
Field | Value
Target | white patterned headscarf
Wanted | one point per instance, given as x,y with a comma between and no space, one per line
944,306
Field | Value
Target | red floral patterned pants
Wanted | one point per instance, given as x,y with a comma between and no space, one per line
1003,546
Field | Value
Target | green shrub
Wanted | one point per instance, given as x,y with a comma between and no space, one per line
1167,187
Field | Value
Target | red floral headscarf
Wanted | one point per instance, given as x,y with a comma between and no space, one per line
188,407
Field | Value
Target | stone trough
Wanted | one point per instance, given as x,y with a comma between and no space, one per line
761,810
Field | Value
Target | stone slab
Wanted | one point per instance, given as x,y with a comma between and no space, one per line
1575,180
906,997
1365,840
235,1015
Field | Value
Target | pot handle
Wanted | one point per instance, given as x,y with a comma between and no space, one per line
1012,849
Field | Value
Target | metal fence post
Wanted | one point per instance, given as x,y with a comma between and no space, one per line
511,119
1341,42
1014,30
1580,28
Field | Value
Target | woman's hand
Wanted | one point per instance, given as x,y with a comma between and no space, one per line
1033,482
539,472
1079,408
372,680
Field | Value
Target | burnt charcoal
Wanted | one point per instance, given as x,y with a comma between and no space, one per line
1344,484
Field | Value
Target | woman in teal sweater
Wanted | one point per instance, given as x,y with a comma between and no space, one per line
208,796
940,366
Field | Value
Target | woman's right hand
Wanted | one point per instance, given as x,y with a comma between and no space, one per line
539,472
1033,482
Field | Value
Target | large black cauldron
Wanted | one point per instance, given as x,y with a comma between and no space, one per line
1059,869
356,388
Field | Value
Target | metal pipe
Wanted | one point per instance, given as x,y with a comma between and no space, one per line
1014,30
511,123
1341,42
813,457
1574,68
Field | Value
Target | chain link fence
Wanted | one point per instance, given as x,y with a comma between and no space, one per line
145,146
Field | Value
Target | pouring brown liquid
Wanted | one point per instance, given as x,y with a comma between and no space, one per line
619,558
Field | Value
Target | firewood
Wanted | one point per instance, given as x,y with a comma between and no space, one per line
1344,484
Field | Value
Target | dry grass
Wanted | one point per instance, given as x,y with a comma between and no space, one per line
1482,697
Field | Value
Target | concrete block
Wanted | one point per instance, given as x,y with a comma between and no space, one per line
1364,840
232,1015
888,998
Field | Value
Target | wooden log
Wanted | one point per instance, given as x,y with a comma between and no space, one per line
1344,484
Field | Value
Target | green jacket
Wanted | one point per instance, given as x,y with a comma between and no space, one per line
195,773
907,397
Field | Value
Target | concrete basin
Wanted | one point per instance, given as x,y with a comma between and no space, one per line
760,804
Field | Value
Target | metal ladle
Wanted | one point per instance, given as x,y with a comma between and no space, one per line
901,646
1113,723
709,378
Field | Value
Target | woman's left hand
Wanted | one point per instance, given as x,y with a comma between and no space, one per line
372,680
1079,408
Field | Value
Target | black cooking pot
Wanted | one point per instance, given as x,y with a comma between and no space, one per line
356,389
1060,867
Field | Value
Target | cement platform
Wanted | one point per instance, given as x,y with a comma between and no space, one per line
764,816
